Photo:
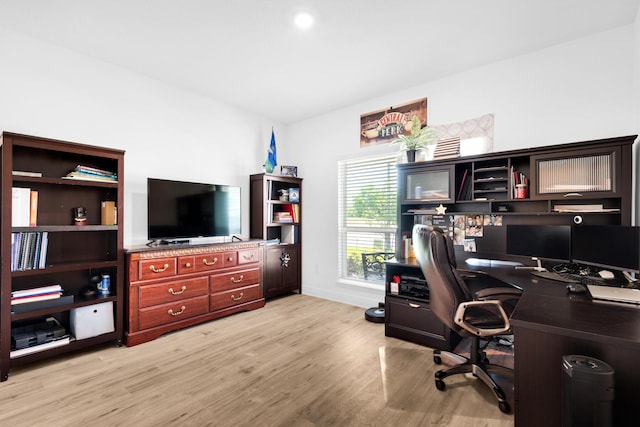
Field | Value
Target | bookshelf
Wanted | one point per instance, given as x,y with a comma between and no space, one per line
49,247
276,217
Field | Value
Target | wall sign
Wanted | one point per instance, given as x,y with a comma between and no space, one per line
383,126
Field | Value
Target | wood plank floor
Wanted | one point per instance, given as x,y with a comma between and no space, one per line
299,361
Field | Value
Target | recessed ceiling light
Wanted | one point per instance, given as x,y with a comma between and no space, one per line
303,20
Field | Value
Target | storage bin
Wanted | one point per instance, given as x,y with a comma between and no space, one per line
92,320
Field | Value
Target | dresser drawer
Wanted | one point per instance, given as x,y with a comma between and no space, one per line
157,267
214,261
234,280
174,290
173,312
186,264
247,256
234,297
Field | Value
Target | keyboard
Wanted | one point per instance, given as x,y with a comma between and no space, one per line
558,277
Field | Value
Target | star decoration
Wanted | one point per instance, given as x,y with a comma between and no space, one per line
440,210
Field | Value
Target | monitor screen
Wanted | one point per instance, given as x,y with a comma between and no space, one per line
179,209
614,247
549,242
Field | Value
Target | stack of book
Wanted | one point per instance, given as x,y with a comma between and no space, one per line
29,250
282,217
88,173
36,294
24,207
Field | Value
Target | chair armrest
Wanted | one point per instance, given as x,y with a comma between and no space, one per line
500,293
482,332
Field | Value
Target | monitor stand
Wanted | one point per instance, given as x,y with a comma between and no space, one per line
538,267
629,278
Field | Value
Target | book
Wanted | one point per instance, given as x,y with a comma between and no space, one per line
95,171
27,173
20,206
34,298
33,208
37,291
108,212
87,177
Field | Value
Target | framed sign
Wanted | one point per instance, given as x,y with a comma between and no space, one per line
383,126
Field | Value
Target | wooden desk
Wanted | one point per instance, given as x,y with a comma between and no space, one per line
549,323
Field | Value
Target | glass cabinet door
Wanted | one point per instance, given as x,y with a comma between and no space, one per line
432,185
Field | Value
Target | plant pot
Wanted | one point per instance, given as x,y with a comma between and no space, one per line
411,156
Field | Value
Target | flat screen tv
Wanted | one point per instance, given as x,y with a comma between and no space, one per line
180,210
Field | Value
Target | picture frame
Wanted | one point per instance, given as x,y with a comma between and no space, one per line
289,170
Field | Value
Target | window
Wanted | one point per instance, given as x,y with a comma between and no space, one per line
366,216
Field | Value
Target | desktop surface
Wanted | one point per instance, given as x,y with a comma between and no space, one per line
549,323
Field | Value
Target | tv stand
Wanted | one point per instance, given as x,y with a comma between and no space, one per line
170,288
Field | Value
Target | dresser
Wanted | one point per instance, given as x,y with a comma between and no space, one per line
175,286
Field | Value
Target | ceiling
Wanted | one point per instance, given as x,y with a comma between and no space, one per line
246,52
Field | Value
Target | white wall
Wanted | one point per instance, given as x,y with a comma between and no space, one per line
571,92
166,132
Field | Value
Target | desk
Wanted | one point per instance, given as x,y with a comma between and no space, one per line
549,323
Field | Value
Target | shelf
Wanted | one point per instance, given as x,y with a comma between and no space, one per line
64,181
71,266
65,228
79,301
73,345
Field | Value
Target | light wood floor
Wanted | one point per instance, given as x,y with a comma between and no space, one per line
299,361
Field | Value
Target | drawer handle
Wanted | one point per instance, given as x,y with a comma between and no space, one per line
172,292
188,265
414,305
205,262
158,270
248,257
239,298
177,313
233,279
230,259
572,195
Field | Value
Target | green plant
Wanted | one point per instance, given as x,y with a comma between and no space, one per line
420,138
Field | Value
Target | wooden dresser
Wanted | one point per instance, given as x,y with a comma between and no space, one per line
173,287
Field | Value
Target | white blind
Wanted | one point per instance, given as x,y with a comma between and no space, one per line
366,213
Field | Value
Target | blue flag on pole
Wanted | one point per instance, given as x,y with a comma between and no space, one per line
271,162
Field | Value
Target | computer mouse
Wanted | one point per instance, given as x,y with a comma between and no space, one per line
576,288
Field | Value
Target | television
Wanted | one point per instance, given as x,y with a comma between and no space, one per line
611,247
180,210
548,242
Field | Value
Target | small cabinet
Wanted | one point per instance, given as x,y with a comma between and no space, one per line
407,312
281,270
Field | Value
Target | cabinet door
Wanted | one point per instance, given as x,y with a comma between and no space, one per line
592,173
435,184
273,270
290,267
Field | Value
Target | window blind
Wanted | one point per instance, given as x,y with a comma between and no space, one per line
366,214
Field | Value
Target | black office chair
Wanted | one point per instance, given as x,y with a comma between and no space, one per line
468,307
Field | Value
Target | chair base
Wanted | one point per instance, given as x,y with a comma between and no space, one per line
479,368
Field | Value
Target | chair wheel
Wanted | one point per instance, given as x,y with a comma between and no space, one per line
440,385
437,360
504,406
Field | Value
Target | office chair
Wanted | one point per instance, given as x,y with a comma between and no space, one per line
471,309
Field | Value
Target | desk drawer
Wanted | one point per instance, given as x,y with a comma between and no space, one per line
234,297
173,312
171,291
234,280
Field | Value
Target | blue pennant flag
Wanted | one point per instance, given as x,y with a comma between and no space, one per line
271,162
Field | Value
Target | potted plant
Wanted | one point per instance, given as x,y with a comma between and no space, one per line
420,138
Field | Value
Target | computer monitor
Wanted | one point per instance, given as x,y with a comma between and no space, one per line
610,247
548,242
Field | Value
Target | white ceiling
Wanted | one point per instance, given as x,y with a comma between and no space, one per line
246,52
